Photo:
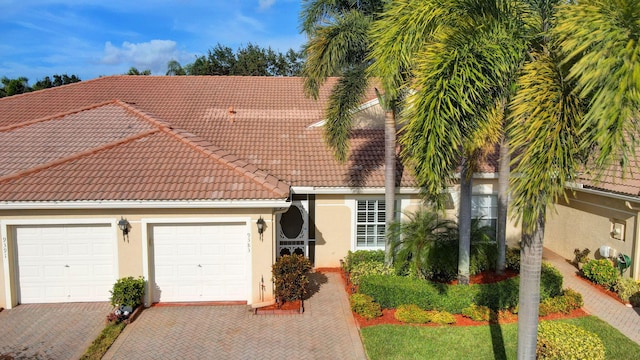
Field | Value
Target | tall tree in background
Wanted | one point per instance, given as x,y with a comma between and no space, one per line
174,68
58,80
339,45
14,86
251,60
134,71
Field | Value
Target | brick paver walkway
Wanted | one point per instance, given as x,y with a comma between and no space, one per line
326,330
623,318
50,331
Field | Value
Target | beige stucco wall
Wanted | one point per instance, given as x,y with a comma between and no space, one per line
333,230
585,222
130,249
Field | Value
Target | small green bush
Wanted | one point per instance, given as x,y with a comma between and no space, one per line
477,313
364,306
290,275
354,258
562,341
368,268
565,303
550,281
442,317
128,291
600,272
512,259
412,314
625,288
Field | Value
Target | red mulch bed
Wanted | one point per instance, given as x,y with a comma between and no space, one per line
505,318
482,278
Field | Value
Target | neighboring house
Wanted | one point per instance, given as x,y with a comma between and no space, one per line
190,165
603,212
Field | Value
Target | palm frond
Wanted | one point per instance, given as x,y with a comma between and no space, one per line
601,42
546,114
334,49
345,98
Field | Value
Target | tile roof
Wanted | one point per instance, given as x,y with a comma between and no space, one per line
613,179
131,156
111,138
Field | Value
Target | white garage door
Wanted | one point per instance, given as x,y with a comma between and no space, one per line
200,262
66,263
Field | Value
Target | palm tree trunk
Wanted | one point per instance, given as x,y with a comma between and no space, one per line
464,225
504,172
389,177
529,295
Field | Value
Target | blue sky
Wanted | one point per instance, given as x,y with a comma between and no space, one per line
90,38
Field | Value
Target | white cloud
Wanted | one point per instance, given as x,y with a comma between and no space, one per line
265,4
152,55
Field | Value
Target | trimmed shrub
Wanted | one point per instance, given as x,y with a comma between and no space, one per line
550,281
634,300
625,288
600,272
354,258
562,341
477,313
128,292
364,306
412,314
290,277
565,303
368,268
392,291
442,317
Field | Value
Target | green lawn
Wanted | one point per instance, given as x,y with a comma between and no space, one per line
475,342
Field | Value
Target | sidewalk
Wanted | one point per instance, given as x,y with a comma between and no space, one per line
623,318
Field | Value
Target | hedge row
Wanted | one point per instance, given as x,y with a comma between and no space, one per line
392,291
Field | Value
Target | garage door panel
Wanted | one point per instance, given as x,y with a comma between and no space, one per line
65,263
52,250
191,262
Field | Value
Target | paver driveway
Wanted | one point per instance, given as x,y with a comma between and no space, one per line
326,330
50,331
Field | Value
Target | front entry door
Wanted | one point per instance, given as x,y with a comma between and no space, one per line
293,229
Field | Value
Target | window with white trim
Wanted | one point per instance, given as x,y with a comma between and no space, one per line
485,207
370,224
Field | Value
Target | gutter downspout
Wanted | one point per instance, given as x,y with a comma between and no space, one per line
636,242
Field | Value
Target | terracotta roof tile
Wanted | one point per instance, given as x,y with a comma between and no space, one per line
265,140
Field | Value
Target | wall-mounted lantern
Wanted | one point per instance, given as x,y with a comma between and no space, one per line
124,225
260,223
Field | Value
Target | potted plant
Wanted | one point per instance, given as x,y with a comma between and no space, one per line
581,257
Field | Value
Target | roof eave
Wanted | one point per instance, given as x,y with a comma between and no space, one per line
143,204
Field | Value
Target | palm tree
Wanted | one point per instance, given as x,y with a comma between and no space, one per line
413,241
338,45
590,62
464,55
463,70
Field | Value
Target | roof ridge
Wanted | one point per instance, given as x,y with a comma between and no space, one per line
56,116
76,156
77,83
207,148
